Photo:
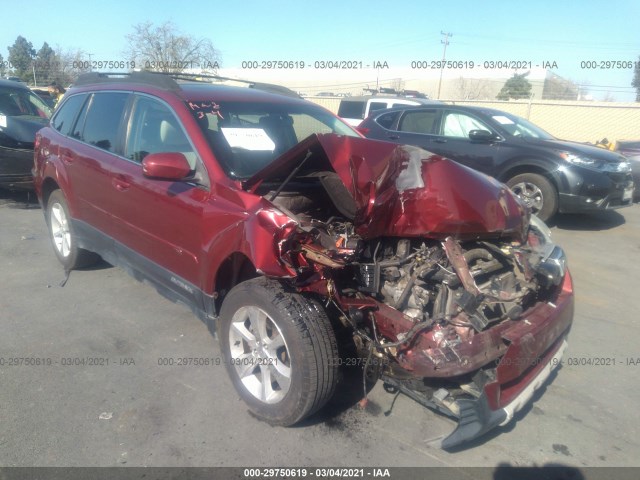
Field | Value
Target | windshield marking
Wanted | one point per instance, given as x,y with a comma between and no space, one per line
254,139
502,120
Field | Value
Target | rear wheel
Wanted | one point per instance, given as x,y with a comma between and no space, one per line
537,192
62,235
279,350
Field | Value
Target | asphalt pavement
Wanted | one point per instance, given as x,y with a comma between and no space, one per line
90,374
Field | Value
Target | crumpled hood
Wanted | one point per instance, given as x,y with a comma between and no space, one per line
401,190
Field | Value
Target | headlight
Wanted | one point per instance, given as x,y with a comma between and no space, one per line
578,160
617,167
622,166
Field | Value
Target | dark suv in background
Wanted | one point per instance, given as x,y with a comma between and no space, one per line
285,231
22,114
549,174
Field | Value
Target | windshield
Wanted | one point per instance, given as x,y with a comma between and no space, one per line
245,137
15,102
519,127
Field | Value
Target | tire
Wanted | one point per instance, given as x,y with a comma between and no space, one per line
537,192
296,350
62,237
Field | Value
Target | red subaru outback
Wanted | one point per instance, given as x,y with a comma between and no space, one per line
279,225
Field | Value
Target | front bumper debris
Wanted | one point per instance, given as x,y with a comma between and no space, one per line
476,416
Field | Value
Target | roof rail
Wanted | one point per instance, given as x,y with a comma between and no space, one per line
168,81
267,87
149,78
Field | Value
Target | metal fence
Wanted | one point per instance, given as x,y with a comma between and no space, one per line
578,121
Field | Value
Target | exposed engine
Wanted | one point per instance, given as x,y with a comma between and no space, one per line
442,284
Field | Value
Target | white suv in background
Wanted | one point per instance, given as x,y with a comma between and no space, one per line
354,110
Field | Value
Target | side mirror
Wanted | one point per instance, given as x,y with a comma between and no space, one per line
482,136
166,166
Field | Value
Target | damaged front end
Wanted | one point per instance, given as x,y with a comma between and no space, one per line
463,301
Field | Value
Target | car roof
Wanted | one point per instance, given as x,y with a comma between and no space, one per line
13,84
188,87
385,98
461,108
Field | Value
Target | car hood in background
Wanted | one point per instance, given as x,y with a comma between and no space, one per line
584,149
402,190
20,131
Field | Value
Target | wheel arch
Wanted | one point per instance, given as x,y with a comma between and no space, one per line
234,269
48,187
531,166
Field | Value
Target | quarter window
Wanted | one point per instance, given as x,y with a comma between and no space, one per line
387,120
63,120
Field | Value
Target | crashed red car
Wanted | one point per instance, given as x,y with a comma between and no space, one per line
278,225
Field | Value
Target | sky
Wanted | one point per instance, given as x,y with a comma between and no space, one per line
568,33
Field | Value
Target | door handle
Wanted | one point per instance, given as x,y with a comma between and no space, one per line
439,140
120,184
393,137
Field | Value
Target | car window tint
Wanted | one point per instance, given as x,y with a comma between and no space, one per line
387,120
15,102
460,124
351,109
103,120
421,121
63,119
153,128
373,106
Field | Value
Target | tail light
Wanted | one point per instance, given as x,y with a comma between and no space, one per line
363,130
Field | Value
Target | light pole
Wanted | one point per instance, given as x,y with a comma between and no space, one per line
444,56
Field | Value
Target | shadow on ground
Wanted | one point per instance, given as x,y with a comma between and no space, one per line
19,199
605,220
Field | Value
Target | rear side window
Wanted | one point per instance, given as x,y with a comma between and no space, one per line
64,117
351,109
102,123
421,121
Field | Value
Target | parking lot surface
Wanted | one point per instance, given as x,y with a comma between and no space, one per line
103,371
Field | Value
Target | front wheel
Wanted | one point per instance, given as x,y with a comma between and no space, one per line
279,349
537,192
62,235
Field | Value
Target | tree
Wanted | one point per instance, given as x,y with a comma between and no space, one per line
71,63
558,88
635,83
516,87
165,49
397,84
21,55
1,66
46,64
474,89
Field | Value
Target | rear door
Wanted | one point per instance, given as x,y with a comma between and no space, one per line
98,129
417,126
